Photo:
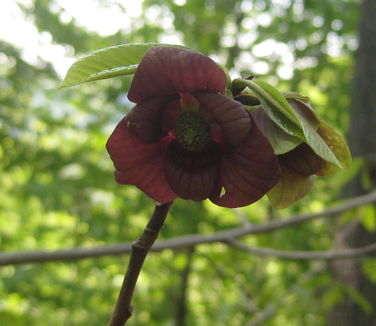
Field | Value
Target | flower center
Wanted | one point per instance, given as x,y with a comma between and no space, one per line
192,131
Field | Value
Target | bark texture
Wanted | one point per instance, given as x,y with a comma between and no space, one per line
362,143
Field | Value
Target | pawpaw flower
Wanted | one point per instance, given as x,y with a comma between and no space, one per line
185,138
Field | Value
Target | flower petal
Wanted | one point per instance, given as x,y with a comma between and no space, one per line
167,70
145,119
170,115
302,159
231,116
291,187
192,175
247,172
138,163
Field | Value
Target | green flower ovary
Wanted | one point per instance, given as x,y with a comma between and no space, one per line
192,131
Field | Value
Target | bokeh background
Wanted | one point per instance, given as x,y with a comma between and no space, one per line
56,180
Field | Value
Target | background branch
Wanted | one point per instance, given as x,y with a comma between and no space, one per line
306,255
188,241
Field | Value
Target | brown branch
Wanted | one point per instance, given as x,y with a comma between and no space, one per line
306,255
140,248
188,241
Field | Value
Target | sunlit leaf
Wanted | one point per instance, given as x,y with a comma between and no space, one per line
106,63
368,217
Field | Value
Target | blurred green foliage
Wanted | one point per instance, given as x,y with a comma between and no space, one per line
58,191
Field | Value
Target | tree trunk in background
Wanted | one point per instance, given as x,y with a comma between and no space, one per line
362,143
181,313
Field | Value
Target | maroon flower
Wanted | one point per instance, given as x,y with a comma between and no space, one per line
184,138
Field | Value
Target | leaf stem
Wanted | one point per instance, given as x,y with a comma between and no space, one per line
140,248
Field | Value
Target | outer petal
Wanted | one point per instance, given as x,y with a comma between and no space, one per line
291,187
192,175
146,119
171,114
232,117
138,163
247,172
167,70
302,159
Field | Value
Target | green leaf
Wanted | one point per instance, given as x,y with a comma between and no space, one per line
278,118
369,268
319,146
337,145
281,141
295,96
106,63
304,109
333,295
368,217
297,122
359,299
275,98
271,108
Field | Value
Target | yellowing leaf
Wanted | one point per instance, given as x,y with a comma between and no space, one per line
291,187
337,145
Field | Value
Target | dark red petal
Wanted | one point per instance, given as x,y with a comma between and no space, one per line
302,159
231,116
192,175
139,164
171,114
247,172
167,70
145,119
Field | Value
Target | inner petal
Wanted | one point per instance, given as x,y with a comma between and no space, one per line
247,171
230,115
192,175
145,119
